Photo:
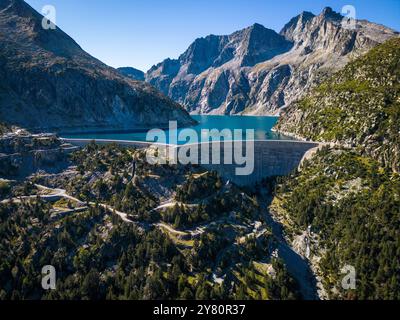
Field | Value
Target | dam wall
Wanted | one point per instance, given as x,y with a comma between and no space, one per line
124,143
269,158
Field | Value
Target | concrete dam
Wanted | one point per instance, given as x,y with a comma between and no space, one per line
270,157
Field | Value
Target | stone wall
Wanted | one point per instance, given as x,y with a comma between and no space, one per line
84,142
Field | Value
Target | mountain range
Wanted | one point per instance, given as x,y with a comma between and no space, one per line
257,71
47,82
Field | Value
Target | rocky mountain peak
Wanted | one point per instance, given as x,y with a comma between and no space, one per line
327,11
329,14
25,23
202,53
306,15
257,30
297,23
246,47
324,34
257,27
259,44
309,30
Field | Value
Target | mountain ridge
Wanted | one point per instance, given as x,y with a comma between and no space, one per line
49,83
307,49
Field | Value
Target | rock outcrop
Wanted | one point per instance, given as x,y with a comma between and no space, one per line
257,71
23,153
47,82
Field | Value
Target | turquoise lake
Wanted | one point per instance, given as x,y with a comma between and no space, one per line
261,125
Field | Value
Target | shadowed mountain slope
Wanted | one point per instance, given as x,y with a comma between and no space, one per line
47,82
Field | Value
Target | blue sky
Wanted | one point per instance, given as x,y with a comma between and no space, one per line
142,33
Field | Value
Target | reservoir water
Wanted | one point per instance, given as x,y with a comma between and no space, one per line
261,125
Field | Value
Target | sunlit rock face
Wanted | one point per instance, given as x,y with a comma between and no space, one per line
258,71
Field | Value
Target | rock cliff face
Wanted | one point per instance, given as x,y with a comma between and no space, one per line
256,70
357,107
47,82
23,153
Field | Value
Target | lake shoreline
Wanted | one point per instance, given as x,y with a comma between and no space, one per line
261,126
